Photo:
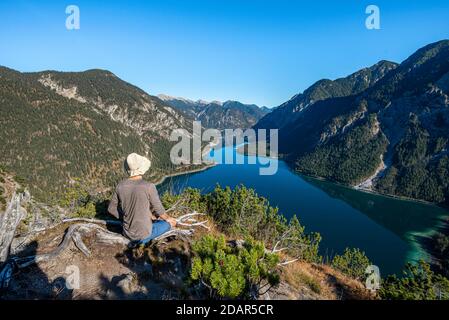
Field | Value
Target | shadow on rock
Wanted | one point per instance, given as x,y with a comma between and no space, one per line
32,282
157,271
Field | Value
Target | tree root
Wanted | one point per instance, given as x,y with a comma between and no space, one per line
83,227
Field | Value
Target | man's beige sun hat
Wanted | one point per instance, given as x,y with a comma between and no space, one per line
136,165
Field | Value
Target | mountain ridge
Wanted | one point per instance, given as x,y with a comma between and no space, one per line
324,89
80,124
229,114
391,135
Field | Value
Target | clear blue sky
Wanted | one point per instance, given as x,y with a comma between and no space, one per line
260,52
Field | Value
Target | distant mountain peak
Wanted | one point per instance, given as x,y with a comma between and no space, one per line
324,89
426,53
217,102
384,63
165,97
218,114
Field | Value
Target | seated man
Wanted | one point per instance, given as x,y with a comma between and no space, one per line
135,201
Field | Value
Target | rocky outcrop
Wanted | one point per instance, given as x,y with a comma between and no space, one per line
81,258
114,271
143,114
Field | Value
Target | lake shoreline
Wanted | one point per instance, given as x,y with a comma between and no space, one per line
175,174
373,192
407,238
356,188
204,167
424,240
361,189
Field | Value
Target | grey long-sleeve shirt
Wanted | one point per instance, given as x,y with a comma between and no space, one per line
133,202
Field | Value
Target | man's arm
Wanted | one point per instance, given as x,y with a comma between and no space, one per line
157,208
113,207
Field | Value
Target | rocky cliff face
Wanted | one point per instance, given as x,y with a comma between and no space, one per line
397,121
121,101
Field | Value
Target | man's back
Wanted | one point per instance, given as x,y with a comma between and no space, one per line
134,201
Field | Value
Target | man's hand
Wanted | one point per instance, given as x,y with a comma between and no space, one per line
172,221
169,219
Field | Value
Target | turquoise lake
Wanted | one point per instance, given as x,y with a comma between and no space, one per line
387,229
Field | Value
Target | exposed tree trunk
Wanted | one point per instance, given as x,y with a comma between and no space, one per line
9,221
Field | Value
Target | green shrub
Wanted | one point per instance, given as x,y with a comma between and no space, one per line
190,197
440,246
86,211
300,244
20,179
77,194
80,202
353,263
441,243
419,282
2,203
20,190
242,213
233,271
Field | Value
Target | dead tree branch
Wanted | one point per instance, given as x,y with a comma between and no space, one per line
9,221
187,220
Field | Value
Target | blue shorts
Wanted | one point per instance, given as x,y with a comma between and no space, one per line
159,227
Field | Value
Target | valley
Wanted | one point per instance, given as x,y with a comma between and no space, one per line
365,163
346,130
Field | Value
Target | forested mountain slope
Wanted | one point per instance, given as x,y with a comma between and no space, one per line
56,126
392,137
324,89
